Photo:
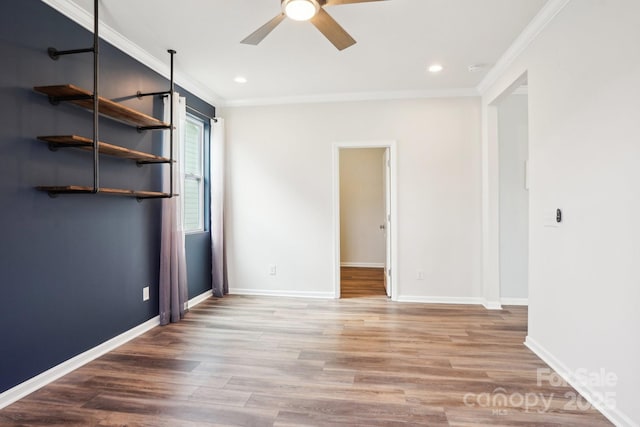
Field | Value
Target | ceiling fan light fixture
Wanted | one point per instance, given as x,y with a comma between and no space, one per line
435,68
300,10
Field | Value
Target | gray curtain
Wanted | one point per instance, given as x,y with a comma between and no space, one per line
173,265
219,284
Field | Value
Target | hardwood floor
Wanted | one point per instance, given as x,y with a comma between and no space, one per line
362,282
266,361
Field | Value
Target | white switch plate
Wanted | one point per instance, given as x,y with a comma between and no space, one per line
145,293
420,275
272,269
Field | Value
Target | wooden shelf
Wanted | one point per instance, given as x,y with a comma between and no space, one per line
106,107
75,141
77,189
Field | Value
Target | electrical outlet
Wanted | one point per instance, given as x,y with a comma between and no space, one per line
272,270
145,293
419,274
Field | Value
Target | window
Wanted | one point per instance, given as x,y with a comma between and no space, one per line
193,197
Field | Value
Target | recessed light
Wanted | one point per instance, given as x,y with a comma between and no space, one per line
435,68
240,79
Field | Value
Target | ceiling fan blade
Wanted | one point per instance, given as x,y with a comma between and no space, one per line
332,30
258,35
337,2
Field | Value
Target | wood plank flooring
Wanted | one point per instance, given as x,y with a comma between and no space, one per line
362,282
360,361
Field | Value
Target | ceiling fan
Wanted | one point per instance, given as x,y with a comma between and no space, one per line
309,10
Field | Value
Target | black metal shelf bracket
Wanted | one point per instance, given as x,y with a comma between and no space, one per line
151,162
143,128
55,54
161,93
167,196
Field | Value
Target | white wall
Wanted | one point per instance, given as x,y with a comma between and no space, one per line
280,193
513,146
362,242
584,110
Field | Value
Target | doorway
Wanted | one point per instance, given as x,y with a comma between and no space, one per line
363,228
505,193
364,219
513,190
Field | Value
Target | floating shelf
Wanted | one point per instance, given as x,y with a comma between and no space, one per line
106,107
75,141
77,189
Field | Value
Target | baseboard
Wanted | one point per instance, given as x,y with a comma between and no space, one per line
441,300
514,301
198,299
492,305
489,305
41,380
362,264
614,415
274,293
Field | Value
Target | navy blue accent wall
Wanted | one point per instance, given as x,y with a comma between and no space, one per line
72,268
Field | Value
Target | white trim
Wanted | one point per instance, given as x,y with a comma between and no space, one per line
514,301
441,300
280,293
393,154
199,298
199,178
490,196
614,415
353,96
522,90
41,380
83,18
528,35
491,305
362,264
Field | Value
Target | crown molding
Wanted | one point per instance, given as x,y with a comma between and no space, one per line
353,96
108,34
528,35
522,90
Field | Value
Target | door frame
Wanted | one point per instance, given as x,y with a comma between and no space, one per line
393,190
491,194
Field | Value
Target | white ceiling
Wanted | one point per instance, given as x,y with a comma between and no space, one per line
397,40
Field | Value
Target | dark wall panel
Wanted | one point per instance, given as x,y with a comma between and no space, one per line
72,268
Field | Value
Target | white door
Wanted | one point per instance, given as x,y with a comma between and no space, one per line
387,220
